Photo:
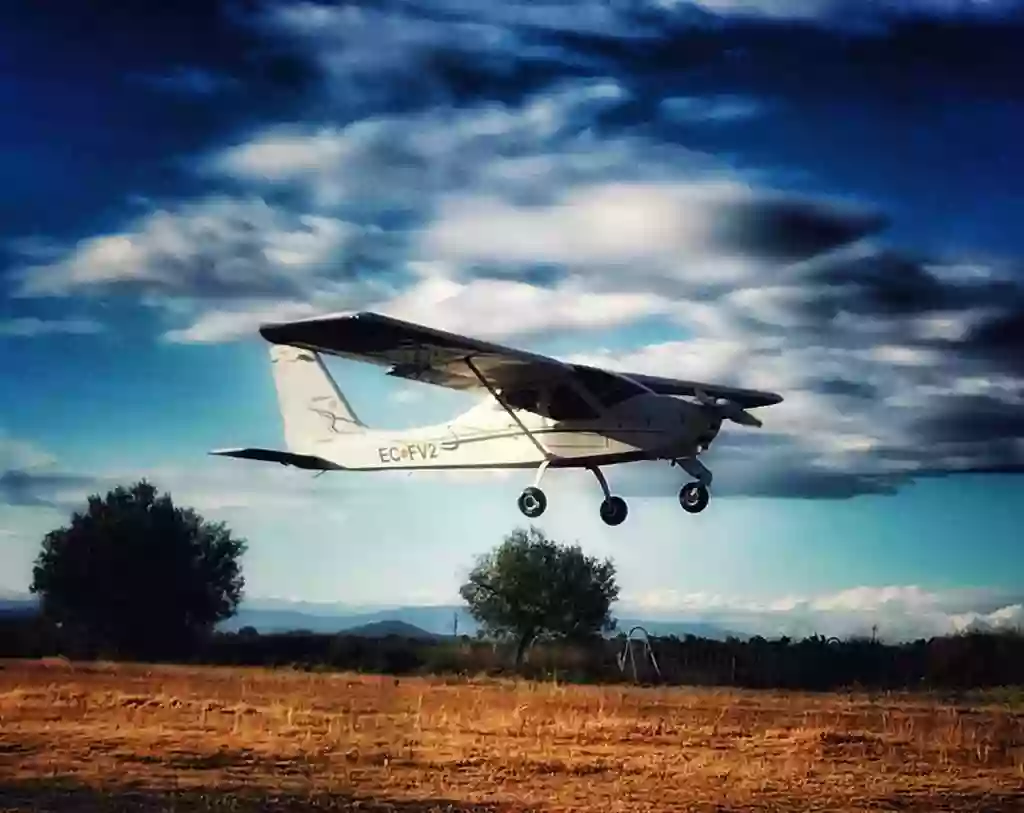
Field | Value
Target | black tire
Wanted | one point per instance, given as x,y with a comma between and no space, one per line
694,497
532,502
614,511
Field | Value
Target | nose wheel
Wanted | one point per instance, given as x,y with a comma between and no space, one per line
694,497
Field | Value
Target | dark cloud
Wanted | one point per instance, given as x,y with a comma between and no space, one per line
39,489
1001,337
542,274
974,420
845,387
428,51
787,230
809,484
1001,469
907,61
189,81
760,477
892,285
882,283
892,367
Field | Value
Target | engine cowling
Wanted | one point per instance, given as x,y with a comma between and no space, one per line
728,410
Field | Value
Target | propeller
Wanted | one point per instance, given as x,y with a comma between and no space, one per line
728,409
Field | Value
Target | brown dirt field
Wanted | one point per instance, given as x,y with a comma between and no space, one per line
79,737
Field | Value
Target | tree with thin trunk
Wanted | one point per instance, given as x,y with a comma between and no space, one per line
530,588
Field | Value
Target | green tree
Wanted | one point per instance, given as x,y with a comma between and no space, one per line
530,587
136,576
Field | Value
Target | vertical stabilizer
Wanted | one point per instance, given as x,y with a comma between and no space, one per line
312,407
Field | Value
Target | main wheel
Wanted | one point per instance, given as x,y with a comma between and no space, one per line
532,502
694,497
614,510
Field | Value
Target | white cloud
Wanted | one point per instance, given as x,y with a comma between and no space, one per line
605,223
897,355
896,612
217,326
361,42
504,187
212,247
363,52
286,155
21,454
703,359
494,308
695,232
407,395
402,162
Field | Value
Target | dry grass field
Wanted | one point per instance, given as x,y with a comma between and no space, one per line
77,737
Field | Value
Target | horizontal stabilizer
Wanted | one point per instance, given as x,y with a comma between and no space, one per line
300,461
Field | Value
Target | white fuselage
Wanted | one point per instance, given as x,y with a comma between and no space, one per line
646,426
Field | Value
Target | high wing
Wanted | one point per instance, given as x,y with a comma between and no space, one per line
747,399
416,352
420,353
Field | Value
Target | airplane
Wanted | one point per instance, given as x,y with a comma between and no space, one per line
538,412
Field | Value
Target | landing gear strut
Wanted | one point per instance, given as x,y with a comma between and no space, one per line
613,509
694,497
532,501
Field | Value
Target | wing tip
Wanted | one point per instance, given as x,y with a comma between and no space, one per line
278,332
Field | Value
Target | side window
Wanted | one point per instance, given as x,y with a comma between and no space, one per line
567,405
523,399
607,388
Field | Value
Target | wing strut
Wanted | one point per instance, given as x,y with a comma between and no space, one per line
507,408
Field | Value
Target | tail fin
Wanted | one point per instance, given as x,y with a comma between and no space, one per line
312,407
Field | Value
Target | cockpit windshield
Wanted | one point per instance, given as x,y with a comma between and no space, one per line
609,389
564,402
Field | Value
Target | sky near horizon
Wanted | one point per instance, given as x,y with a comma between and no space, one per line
823,203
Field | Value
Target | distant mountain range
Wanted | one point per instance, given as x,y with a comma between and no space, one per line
382,629
278,615
17,603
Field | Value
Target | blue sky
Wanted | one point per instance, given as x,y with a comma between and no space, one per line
821,204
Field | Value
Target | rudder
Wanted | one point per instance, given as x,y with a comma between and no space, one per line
312,407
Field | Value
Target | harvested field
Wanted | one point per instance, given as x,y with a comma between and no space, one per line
96,737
